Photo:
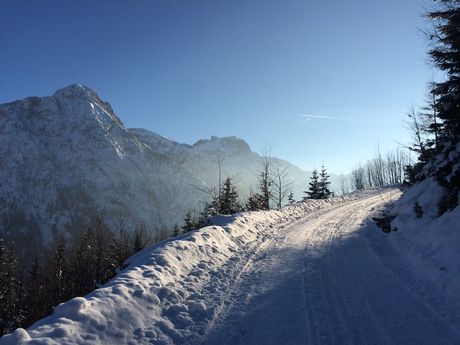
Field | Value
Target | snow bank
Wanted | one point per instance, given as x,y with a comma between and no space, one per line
429,247
171,292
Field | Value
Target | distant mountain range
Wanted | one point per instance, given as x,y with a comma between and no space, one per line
66,157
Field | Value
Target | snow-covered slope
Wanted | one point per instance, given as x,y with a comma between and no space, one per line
172,292
313,273
66,157
430,243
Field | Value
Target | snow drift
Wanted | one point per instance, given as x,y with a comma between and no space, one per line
430,243
171,292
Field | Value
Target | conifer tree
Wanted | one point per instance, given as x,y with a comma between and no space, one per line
35,293
229,198
58,269
446,55
10,289
176,230
324,183
291,200
313,191
189,222
254,202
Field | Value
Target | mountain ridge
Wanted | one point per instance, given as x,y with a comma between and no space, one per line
69,156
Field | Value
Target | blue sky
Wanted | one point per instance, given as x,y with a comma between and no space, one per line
189,69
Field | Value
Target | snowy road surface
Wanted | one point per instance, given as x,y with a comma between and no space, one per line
316,273
319,282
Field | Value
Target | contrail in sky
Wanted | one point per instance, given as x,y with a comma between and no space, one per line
309,117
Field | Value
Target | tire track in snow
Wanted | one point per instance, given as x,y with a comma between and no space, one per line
346,294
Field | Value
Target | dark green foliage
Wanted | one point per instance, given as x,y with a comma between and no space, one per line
176,231
450,181
314,188
11,312
35,290
141,239
324,183
255,202
446,56
66,267
229,198
440,120
291,200
410,173
318,187
190,222
418,210
121,246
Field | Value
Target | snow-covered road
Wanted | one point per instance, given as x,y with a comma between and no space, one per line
319,282
317,273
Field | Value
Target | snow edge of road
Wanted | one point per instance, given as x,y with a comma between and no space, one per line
170,292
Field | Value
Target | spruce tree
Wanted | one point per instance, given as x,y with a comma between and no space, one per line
189,222
255,202
313,191
446,56
176,230
324,183
291,200
229,198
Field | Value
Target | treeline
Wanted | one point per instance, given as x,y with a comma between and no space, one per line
66,267
382,170
273,190
436,126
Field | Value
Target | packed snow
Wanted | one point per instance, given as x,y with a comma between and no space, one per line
311,273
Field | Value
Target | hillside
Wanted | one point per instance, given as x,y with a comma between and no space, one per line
68,157
317,272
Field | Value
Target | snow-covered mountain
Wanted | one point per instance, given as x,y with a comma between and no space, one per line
66,157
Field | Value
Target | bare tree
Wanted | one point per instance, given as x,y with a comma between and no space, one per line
265,181
281,183
344,185
357,176
414,125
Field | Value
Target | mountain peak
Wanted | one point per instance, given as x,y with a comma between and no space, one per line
75,91
230,143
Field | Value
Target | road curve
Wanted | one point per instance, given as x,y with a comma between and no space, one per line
318,282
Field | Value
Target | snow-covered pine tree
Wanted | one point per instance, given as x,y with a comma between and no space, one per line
229,198
445,54
254,202
313,191
324,183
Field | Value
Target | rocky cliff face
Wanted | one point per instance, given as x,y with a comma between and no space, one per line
66,157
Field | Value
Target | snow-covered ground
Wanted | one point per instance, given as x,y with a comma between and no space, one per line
312,273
